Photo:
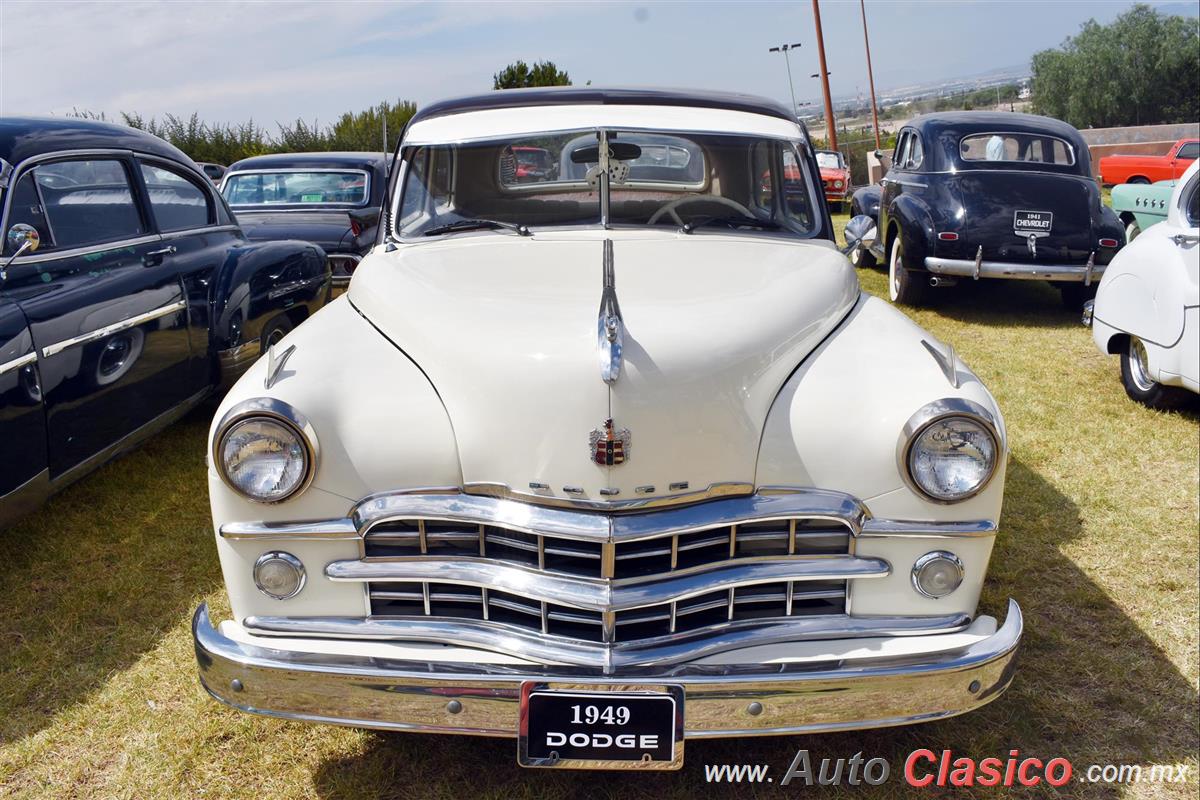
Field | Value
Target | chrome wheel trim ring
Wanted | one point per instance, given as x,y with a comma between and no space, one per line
1139,365
276,337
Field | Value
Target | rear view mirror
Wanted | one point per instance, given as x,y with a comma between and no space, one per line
621,151
860,233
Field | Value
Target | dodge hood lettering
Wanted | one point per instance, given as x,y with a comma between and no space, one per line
712,327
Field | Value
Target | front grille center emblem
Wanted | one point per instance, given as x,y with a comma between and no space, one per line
609,446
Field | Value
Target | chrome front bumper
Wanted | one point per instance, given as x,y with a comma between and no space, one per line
721,700
1067,273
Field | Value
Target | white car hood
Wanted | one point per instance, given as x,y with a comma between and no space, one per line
505,327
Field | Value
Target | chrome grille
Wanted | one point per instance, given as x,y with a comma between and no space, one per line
640,559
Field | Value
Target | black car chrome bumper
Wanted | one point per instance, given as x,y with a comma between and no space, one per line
1069,273
721,700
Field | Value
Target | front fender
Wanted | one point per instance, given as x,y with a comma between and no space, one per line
838,420
866,201
258,281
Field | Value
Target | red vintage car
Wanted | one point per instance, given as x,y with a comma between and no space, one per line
835,176
1148,169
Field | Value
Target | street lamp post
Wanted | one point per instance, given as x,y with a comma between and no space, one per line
783,48
870,74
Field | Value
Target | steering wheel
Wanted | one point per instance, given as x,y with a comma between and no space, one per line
670,206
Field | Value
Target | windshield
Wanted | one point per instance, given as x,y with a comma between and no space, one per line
829,160
298,188
673,180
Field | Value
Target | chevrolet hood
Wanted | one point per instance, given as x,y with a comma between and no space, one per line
506,329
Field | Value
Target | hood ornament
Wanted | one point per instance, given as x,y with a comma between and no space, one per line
609,446
610,328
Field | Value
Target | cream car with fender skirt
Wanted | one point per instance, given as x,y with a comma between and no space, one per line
607,458
1147,309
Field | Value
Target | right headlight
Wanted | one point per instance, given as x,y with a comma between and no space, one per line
265,450
950,456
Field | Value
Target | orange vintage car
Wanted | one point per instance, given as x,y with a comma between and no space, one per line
835,177
1149,169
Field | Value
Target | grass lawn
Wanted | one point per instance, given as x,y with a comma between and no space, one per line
99,696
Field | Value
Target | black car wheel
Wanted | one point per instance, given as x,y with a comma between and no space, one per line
1131,231
1136,377
1074,295
1139,180
904,285
275,330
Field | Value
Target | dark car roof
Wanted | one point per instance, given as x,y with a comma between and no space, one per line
986,121
25,137
360,160
592,95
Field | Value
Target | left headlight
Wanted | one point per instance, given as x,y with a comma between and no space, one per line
950,456
837,184
265,450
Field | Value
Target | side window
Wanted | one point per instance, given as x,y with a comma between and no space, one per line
900,157
177,203
88,202
27,208
1189,151
916,153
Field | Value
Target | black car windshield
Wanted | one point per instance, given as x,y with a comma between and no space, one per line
710,181
296,188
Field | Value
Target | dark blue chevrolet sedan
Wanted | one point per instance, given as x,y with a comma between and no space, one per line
330,199
128,294
977,194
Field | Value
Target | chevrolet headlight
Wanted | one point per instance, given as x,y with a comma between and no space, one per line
265,450
950,457
837,184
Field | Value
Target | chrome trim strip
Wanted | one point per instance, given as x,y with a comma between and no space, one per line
1005,269
553,649
610,328
603,594
772,503
116,327
18,362
398,694
713,491
939,530
945,360
270,531
119,244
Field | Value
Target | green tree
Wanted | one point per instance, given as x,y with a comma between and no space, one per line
520,75
1143,68
363,130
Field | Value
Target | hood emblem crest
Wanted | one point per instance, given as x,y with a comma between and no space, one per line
609,446
610,328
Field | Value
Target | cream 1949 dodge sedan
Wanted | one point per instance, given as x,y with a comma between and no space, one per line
607,458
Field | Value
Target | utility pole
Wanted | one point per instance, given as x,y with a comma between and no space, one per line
830,127
870,75
783,48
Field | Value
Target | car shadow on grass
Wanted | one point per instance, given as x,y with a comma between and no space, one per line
1091,687
96,576
992,302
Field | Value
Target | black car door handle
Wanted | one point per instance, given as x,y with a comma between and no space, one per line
155,257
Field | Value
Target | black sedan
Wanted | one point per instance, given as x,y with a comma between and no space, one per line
128,294
330,199
976,194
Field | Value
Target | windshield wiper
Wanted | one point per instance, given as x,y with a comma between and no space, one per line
732,221
478,224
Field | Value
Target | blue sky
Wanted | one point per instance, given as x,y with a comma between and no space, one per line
277,61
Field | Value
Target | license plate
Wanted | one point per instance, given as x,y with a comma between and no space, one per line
589,728
1032,223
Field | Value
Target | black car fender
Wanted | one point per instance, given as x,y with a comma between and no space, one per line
911,218
261,280
866,201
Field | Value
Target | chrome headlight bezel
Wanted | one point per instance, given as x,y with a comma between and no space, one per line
281,413
932,413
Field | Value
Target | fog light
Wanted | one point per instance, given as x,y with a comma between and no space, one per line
279,575
937,574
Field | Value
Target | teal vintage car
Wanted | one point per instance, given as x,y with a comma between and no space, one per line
1140,205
